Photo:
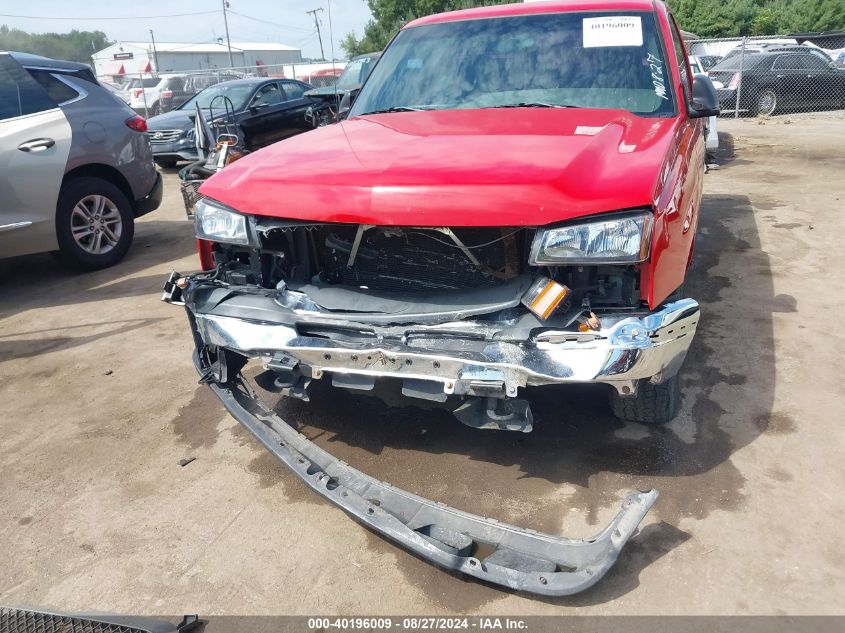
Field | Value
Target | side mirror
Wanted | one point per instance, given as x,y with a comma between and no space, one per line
705,101
346,103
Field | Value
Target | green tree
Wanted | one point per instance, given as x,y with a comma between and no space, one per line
74,46
712,18
390,15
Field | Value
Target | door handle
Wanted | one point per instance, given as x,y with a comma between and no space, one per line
36,145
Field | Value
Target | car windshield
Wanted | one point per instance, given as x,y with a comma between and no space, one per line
751,59
356,72
582,59
238,93
708,61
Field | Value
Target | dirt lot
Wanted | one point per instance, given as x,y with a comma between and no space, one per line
100,402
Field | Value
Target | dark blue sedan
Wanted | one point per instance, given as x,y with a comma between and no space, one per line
265,111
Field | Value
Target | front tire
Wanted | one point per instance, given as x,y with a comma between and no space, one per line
94,223
653,404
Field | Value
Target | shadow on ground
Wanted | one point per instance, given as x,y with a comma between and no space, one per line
42,280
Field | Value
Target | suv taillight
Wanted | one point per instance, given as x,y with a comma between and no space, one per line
138,92
166,94
733,84
137,123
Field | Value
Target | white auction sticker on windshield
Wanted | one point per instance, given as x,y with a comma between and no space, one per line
616,30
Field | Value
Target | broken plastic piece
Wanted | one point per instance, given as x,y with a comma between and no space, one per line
544,296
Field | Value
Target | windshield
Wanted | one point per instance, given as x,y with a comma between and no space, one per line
579,59
708,61
356,72
237,92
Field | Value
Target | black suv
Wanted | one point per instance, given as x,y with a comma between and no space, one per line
778,79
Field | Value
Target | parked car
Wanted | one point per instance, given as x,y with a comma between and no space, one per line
774,47
486,219
794,78
145,93
352,78
177,90
706,62
265,111
322,78
697,66
77,166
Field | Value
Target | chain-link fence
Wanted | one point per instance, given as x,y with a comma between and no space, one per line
152,93
773,75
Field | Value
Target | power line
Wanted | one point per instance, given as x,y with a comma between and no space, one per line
137,17
281,26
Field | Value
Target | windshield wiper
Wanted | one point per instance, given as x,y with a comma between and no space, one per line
395,109
531,104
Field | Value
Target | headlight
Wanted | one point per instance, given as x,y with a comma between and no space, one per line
217,223
618,238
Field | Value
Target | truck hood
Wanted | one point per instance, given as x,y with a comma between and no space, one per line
489,167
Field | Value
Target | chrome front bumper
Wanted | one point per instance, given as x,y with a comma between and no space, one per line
625,350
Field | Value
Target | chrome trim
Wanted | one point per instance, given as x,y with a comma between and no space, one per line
160,137
626,349
15,225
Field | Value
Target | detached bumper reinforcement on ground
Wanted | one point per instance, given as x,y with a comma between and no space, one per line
521,559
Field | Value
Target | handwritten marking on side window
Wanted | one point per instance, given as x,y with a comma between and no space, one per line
656,66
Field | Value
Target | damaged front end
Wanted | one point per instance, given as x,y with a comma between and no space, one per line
458,316
453,316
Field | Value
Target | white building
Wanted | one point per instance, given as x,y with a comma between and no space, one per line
126,58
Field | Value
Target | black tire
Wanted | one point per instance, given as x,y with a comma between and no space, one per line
653,404
166,163
765,102
115,238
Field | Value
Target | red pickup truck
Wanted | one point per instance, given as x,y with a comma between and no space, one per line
510,201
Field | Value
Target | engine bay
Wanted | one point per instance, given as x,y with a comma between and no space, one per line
404,262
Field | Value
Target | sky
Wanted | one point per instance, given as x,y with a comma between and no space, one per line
280,21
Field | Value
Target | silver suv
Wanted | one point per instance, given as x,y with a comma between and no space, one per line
75,163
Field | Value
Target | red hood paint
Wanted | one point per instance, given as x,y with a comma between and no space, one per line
490,167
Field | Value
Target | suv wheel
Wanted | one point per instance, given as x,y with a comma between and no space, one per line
653,404
766,102
94,223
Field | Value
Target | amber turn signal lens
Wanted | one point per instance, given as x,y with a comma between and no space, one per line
544,296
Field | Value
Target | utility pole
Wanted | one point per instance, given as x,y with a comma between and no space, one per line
317,24
155,52
228,41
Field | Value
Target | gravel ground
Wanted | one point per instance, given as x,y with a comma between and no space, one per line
101,402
